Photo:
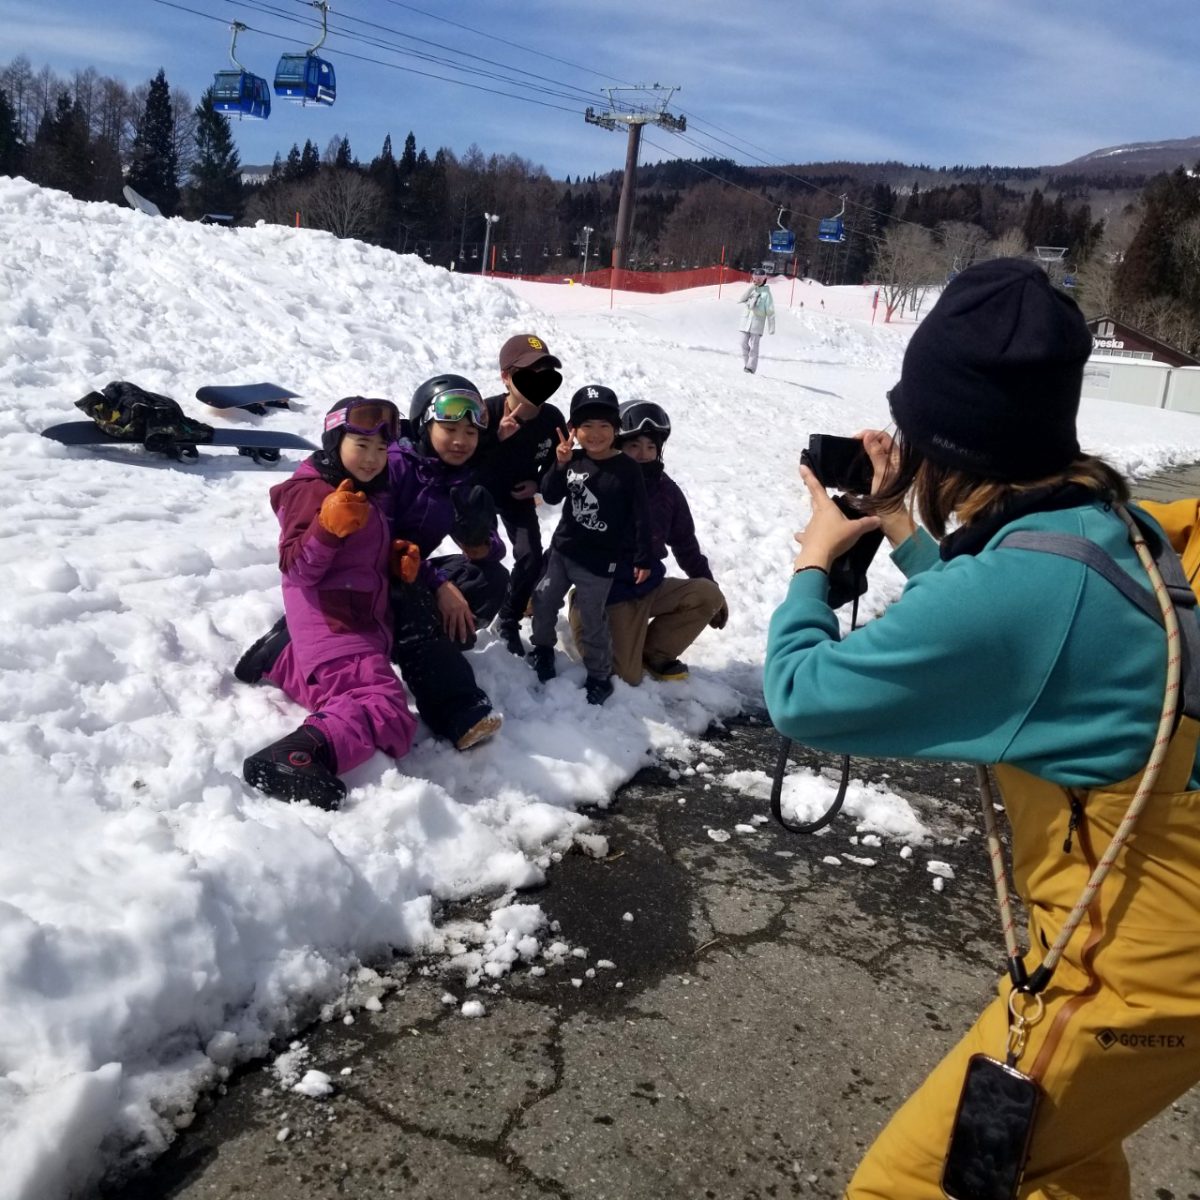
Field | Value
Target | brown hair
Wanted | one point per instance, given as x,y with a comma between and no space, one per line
938,492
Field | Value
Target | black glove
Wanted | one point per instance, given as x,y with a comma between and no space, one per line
474,515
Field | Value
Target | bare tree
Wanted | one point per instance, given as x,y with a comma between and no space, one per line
905,260
962,244
183,130
1010,244
276,204
345,203
1095,286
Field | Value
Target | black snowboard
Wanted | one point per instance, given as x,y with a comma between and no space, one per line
253,397
259,444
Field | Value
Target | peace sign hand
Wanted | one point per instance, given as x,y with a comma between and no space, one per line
829,532
565,447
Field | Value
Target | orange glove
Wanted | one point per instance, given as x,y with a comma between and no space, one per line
345,511
405,560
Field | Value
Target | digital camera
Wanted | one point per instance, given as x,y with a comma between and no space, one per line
839,463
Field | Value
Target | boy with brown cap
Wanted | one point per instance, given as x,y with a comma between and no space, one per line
523,431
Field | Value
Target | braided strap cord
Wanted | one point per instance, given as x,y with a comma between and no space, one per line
996,860
1162,741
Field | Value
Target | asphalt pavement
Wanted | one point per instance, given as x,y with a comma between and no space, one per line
771,1000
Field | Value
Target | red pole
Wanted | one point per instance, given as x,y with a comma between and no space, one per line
721,277
297,220
492,269
793,295
612,277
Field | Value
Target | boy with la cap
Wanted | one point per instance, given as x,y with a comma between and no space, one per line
515,452
604,521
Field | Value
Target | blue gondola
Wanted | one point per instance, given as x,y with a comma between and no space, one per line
831,229
240,92
306,78
782,241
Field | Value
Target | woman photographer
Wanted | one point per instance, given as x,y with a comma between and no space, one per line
1035,661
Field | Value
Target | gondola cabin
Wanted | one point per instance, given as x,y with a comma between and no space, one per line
783,241
831,229
241,93
306,79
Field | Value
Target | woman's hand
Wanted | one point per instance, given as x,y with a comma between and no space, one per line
457,618
829,532
881,448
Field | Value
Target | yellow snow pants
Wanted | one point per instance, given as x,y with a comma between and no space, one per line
1120,1036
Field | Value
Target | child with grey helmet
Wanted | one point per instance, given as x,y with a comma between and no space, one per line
605,520
652,623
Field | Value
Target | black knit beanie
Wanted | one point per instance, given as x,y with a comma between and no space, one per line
991,378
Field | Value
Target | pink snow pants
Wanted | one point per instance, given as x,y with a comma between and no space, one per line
361,700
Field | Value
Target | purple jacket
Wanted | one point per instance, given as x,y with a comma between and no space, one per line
671,525
335,590
421,509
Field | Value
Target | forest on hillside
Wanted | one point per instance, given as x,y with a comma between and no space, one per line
1127,246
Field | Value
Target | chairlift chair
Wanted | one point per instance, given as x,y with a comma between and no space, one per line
831,229
306,78
240,92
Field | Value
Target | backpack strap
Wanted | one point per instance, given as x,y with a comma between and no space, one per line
1067,545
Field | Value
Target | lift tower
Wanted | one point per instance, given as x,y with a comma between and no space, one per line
635,117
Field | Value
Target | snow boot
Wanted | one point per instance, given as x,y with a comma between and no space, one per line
598,689
480,731
510,631
541,659
297,767
261,657
670,671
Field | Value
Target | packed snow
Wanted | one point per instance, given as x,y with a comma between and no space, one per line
160,922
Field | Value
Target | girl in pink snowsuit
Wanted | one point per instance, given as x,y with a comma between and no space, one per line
334,551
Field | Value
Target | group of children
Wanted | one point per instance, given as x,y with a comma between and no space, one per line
362,516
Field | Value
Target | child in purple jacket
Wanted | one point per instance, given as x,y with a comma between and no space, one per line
334,548
654,622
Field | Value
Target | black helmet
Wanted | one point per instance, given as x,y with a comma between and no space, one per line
645,418
452,387
595,402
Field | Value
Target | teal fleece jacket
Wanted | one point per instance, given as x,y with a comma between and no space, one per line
1010,656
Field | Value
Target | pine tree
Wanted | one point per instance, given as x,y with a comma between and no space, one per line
310,161
343,159
12,149
291,169
217,171
154,171
60,156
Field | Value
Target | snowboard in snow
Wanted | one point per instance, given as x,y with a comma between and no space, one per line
262,445
254,397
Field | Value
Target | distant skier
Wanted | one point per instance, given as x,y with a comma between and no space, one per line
760,314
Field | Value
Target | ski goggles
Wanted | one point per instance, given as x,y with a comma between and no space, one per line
458,406
366,417
645,417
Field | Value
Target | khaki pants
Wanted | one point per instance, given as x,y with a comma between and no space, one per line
657,627
1120,1037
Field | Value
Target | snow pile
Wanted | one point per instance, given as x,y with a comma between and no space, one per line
160,922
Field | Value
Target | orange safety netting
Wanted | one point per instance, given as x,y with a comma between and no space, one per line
639,281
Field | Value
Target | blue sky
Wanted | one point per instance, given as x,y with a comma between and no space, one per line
1013,82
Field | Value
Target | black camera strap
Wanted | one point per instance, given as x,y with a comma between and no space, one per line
781,763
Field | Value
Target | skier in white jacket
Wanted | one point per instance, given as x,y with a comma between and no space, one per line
760,312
